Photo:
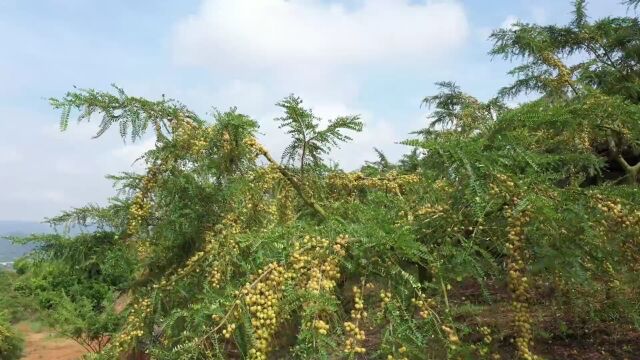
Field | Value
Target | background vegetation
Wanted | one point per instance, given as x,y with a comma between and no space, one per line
12,309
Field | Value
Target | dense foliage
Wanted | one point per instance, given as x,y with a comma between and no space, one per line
11,343
74,282
501,230
12,309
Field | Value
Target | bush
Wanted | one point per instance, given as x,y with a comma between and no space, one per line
74,281
11,343
15,306
500,222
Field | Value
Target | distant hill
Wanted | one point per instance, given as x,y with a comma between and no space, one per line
8,227
10,251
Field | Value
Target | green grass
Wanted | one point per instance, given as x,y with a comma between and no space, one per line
37,326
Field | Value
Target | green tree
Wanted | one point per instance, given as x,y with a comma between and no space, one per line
75,282
607,51
378,167
455,110
607,73
240,259
309,142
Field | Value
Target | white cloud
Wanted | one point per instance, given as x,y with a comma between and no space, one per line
315,35
380,134
48,171
253,53
9,156
54,196
323,52
509,22
130,154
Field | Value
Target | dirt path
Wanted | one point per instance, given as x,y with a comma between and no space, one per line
44,345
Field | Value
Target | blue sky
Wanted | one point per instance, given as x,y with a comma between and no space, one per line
378,58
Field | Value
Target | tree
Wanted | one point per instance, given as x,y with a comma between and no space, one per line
235,258
478,203
133,114
458,111
310,143
632,3
608,72
75,282
378,167
607,49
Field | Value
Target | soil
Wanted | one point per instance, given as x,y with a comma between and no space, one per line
558,335
45,345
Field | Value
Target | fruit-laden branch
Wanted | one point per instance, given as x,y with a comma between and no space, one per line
287,175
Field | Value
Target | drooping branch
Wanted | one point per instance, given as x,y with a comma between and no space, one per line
133,115
287,175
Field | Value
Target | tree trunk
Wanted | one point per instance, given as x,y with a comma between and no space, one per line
295,184
304,153
632,175
630,171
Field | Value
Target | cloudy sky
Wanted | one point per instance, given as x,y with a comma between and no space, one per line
377,58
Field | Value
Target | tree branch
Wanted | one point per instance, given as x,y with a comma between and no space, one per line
296,185
630,170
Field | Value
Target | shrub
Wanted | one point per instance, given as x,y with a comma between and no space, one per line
11,343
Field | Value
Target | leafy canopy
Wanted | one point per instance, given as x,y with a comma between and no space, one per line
309,143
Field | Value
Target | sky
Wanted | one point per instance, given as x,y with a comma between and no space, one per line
376,58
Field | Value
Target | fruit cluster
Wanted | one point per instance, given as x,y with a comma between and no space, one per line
321,327
226,142
253,144
431,210
262,300
313,267
140,205
501,186
134,329
215,278
316,264
402,350
352,183
385,297
190,138
615,210
484,347
518,282
143,249
564,77
425,305
228,332
285,204
452,338
355,335
584,139
221,236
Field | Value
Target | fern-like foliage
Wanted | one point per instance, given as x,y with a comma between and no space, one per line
378,167
608,47
632,3
132,114
453,109
310,142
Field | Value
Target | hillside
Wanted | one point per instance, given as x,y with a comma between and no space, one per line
10,251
